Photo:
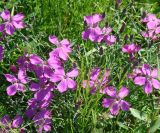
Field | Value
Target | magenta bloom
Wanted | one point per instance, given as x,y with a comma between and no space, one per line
66,80
152,25
17,83
11,22
7,124
115,102
148,78
63,47
93,20
109,39
131,48
96,34
1,52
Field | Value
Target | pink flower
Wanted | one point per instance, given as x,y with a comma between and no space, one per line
131,48
146,77
116,102
7,125
152,25
17,84
66,80
92,20
11,22
63,47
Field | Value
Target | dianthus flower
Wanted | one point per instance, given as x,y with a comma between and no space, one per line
115,102
145,76
11,22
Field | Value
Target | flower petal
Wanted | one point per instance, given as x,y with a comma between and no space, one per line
115,108
53,40
62,53
12,89
73,73
155,83
35,59
9,28
18,120
146,69
111,91
71,83
123,92
148,87
18,24
139,80
154,73
124,105
107,102
5,15
34,86
62,86
20,87
10,78
18,17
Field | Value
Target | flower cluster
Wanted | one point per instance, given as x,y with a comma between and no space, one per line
95,33
145,76
131,49
152,25
50,75
6,124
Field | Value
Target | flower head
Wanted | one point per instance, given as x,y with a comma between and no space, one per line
115,101
11,22
145,76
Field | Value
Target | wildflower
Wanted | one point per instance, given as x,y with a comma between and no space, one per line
11,22
17,83
66,80
152,25
147,78
63,47
93,20
131,48
116,102
7,124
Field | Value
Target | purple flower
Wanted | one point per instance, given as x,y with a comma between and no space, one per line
131,48
110,39
152,25
11,22
54,60
43,120
96,34
1,52
63,47
7,125
17,84
116,102
93,20
66,80
147,78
